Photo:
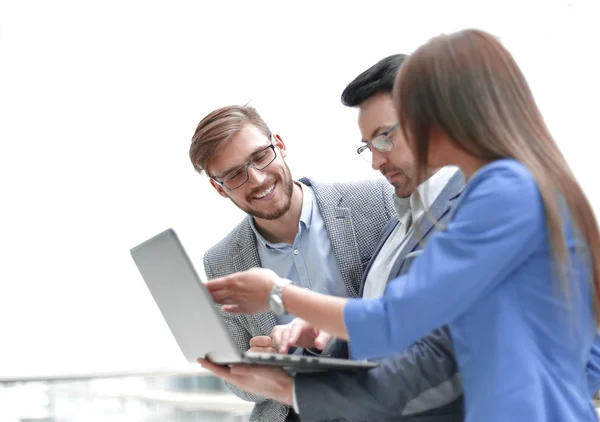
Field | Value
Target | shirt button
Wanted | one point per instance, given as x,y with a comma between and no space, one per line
296,252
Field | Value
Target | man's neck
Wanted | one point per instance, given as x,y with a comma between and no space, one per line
285,228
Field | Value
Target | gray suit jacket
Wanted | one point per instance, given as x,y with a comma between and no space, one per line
420,384
354,215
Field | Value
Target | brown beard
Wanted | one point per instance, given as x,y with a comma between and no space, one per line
274,213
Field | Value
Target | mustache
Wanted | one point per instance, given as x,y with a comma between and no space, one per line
390,170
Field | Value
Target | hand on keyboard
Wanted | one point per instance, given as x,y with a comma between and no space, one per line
298,333
261,344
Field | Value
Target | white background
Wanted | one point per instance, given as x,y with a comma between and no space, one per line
98,103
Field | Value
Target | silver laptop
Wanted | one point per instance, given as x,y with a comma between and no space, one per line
193,317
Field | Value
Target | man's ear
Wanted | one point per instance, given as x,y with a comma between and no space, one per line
280,145
218,188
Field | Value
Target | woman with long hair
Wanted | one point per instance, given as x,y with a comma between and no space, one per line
515,274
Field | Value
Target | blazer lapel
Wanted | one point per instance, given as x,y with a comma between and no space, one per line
387,231
430,219
340,229
244,259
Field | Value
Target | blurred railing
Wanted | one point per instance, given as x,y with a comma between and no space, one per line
167,395
178,395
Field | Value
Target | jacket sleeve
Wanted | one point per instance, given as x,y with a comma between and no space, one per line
419,380
593,367
496,228
241,338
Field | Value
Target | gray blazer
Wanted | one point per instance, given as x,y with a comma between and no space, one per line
354,215
420,384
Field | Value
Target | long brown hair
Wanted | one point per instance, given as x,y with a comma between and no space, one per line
467,85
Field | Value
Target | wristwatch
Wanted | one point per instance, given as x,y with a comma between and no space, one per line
276,296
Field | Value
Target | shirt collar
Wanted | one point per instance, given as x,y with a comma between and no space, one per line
428,191
402,206
305,218
307,205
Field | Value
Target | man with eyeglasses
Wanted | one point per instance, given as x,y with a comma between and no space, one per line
421,384
319,235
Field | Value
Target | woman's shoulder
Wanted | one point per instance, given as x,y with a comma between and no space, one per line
504,167
507,176
505,184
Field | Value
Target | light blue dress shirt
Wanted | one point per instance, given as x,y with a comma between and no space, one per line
309,262
525,352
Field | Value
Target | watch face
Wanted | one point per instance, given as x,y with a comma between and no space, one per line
276,304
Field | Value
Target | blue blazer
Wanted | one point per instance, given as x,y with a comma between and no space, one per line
525,352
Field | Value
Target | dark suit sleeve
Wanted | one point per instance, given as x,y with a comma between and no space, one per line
421,379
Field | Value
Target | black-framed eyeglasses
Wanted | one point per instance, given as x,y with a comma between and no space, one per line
236,178
382,143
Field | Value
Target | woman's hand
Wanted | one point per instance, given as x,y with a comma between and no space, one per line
245,292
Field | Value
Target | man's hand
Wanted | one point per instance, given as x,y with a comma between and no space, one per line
298,333
262,344
266,381
246,292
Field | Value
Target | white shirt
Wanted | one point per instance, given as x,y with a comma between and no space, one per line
418,203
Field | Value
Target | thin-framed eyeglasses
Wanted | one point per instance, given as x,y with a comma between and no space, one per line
236,178
382,143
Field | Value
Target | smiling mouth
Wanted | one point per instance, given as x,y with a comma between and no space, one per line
266,192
